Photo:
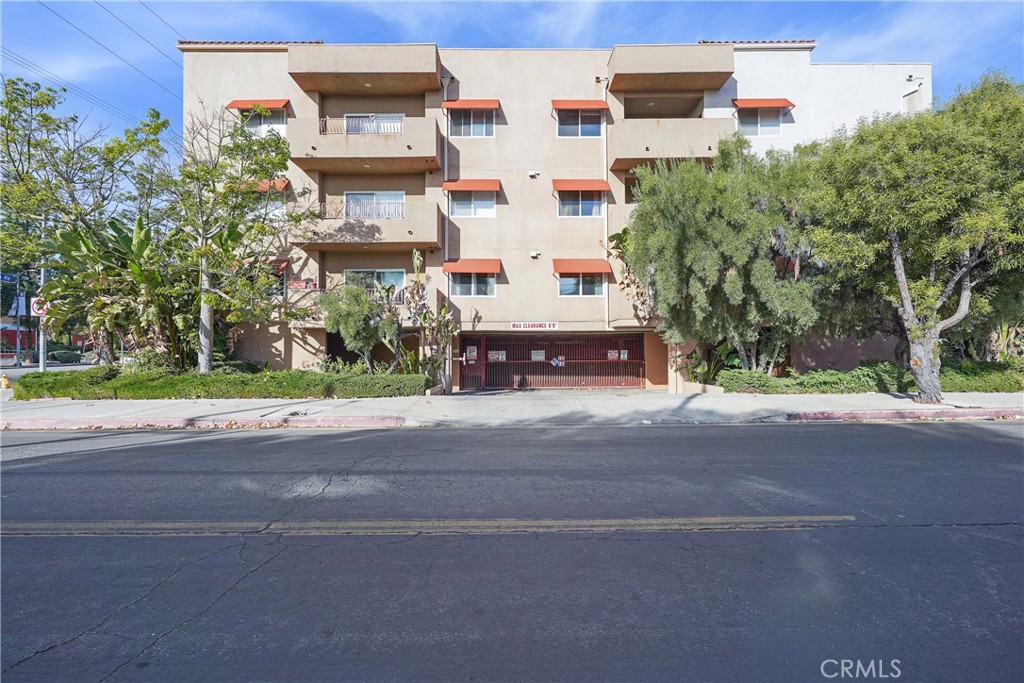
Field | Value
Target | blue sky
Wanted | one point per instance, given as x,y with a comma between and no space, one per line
961,39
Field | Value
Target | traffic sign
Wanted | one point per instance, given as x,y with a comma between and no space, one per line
4,277
38,307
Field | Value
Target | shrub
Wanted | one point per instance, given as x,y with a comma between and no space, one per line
237,367
877,376
981,376
748,382
98,374
166,383
143,360
64,356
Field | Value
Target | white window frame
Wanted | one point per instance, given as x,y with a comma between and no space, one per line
579,124
473,284
579,203
259,125
472,119
379,196
474,211
393,123
760,122
580,276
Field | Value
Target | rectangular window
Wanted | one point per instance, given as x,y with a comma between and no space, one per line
382,204
473,284
576,123
472,123
477,204
368,278
260,125
371,124
580,285
580,203
760,122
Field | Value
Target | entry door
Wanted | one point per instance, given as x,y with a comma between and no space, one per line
473,358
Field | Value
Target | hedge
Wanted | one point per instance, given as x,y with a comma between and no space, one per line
875,377
107,381
64,356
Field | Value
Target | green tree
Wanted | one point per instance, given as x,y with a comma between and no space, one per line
712,242
356,315
58,174
923,214
230,219
126,285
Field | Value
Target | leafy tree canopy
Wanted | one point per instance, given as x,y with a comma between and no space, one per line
719,244
923,214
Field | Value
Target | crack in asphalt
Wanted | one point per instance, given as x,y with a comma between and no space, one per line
193,617
101,622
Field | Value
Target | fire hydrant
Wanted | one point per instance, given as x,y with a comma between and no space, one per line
5,381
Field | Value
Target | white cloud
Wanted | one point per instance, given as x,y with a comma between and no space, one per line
958,38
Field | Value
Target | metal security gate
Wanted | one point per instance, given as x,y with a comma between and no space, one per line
552,361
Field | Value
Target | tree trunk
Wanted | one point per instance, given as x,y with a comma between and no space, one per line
368,360
205,322
924,366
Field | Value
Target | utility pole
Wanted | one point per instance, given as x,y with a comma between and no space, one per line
42,319
17,311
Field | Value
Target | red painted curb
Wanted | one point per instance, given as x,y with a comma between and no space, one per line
26,424
911,414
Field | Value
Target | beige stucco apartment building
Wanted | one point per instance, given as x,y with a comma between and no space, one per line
509,169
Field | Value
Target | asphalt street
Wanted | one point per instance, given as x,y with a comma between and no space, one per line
755,552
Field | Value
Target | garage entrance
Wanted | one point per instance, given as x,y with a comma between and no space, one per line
550,361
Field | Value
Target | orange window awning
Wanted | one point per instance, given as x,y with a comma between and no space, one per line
266,104
277,184
471,104
579,104
581,185
277,265
473,265
586,266
764,103
472,184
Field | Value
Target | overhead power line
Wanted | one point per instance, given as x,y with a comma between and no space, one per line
89,97
153,12
84,33
84,94
125,24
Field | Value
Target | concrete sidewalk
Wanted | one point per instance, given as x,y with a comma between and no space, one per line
500,409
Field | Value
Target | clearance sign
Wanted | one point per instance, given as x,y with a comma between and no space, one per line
534,326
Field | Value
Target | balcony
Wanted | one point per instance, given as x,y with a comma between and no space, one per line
366,70
380,225
651,68
301,297
386,144
632,142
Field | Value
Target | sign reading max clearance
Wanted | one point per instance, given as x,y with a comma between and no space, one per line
534,326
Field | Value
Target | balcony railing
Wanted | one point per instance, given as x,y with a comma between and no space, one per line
299,295
378,210
372,124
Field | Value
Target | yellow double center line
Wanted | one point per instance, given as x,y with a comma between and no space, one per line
434,527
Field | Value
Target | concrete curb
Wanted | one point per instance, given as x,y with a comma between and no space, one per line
128,423
910,414
394,421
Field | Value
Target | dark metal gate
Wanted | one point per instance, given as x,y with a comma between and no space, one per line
553,361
